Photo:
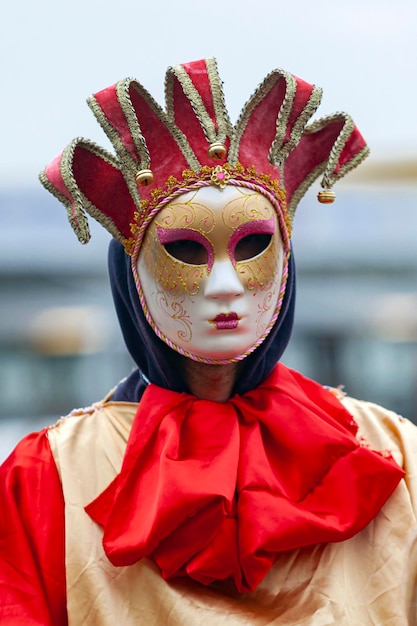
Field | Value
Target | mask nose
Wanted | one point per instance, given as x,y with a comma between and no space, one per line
223,282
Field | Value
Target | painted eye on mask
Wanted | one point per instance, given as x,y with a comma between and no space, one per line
251,239
187,251
186,245
250,246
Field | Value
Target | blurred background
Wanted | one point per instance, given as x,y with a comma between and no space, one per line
356,322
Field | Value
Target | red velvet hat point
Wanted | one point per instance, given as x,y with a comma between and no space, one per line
161,153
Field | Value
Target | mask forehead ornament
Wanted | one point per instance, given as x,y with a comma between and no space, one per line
160,155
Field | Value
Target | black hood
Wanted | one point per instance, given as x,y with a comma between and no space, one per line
156,361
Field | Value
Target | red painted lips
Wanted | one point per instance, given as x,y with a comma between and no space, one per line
226,321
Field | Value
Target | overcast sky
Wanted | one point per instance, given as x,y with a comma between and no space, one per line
54,55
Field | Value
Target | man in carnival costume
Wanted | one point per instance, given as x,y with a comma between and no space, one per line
214,485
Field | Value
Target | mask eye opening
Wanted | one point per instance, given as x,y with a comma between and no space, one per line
251,246
187,251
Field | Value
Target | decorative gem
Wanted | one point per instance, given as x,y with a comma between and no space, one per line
326,196
220,176
144,178
217,151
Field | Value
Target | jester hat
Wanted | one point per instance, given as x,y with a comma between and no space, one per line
160,154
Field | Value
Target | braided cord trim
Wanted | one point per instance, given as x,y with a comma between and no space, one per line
328,166
257,97
225,128
190,91
80,204
237,176
279,150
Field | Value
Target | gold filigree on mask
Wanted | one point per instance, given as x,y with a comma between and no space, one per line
175,310
172,275
247,207
259,272
263,311
187,214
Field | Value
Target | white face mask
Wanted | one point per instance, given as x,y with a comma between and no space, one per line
210,272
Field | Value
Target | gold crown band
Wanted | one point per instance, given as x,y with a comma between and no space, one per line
221,175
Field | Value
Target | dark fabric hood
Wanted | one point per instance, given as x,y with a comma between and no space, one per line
155,360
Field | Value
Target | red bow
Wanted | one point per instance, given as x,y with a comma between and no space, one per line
214,491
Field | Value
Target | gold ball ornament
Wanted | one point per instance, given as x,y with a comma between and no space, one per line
217,151
326,196
144,178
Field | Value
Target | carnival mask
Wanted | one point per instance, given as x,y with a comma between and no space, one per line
211,272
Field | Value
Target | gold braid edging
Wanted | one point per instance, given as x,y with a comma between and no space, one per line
224,126
328,166
256,98
188,181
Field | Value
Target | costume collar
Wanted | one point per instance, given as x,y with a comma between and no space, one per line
214,491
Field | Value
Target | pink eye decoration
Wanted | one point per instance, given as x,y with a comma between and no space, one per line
186,245
250,239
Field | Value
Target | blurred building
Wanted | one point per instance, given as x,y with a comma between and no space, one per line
356,320
60,345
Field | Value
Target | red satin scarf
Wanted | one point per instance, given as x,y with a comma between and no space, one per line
214,491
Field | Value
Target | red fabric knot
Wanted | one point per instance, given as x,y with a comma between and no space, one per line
214,491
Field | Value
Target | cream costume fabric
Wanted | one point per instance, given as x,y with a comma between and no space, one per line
359,582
